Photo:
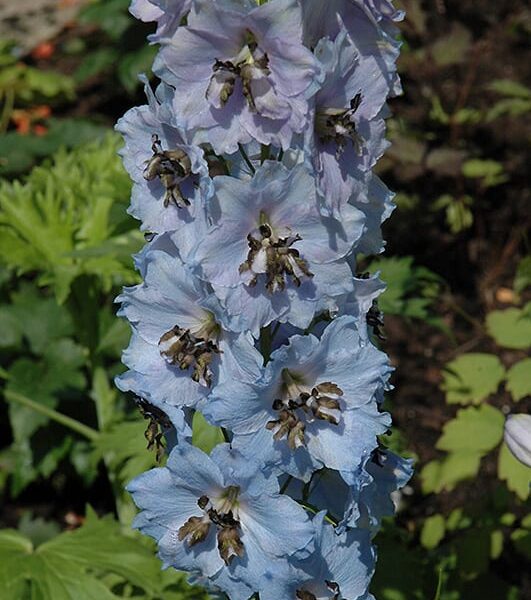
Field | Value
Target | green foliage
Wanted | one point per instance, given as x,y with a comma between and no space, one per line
472,377
432,531
522,278
514,473
204,435
458,211
411,290
69,220
126,59
490,172
467,438
511,328
95,561
519,379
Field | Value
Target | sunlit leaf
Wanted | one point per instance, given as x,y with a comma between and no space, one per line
514,473
511,328
472,377
432,531
475,430
519,379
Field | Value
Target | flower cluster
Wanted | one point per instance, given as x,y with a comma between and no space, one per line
252,178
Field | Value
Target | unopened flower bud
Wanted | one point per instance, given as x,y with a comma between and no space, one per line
518,437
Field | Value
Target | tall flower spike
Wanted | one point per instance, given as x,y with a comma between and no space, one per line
252,178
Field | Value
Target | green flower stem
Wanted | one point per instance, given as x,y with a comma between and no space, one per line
58,417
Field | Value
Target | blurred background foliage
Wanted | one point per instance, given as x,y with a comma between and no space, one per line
458,310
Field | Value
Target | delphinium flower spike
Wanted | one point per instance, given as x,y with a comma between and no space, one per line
252,168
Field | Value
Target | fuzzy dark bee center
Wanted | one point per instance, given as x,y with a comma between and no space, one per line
221,516
337,125
180,347
172,167
251,63
276,258
298,405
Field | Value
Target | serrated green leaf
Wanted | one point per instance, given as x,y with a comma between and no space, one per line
511,328
432,531
410,289
68,566
519,379
474,430
445,474
472,377
37,529
40,319
67,208
516,475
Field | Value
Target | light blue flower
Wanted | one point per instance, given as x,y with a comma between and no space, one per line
171,182
271,255
240,74
182,340
167,14
347,136
314,406
374,35
219,514
340,568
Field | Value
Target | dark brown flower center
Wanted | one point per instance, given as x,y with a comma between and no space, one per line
228,528
299,405
251,63
180,347
275,257
172,167
337,125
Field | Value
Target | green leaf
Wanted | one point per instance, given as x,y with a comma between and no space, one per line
74,206
474,430
40,319
124,448
514,473
509,87
452,48
521,539
519,379
472,377
134,63
71,565
511,328
473,551
204,435
445,474
522,279
432,531
490,171
496,544
410,289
